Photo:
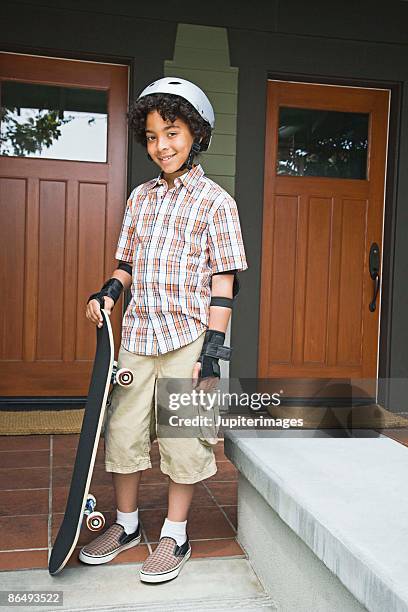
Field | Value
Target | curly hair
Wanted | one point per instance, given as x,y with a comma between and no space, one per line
170,107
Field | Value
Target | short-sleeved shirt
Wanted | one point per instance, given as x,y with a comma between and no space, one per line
176,239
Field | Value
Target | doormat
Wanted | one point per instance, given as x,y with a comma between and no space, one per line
41,422
70,421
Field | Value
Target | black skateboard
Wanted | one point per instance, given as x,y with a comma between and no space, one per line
81,503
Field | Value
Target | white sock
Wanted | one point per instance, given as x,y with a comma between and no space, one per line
173,529
128,520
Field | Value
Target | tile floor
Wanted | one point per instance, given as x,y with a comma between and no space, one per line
35,475
400,435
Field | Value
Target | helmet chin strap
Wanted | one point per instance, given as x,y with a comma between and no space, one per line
188,164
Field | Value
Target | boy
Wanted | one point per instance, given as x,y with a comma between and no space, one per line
180,248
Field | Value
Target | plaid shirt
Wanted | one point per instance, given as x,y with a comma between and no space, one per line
176,239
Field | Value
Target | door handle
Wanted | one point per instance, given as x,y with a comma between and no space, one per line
374,267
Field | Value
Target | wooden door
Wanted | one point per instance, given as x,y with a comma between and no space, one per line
325,161
61,210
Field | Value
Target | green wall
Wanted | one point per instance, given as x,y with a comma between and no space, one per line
201,55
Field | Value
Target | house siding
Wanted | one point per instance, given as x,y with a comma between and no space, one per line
316,42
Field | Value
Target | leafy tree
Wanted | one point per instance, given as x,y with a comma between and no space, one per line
32,136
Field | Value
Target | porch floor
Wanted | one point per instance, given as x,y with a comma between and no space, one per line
35,474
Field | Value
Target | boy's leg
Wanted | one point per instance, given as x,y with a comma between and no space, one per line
127,454
180,497
126,490
186,461
127,427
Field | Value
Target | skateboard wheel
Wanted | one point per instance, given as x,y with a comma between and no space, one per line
95,521
124,377
91,498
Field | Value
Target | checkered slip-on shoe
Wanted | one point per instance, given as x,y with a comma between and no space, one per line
109,544
166,561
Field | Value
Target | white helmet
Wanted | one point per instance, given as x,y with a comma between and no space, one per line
185,89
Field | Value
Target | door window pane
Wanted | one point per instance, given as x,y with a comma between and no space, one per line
53,122
322,143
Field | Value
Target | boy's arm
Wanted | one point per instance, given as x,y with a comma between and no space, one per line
120,280
207,365
221,287
124,277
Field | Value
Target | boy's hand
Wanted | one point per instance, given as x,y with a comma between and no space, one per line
206,384
93,310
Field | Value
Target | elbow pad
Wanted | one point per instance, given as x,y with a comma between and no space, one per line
235,287
126,267
222,301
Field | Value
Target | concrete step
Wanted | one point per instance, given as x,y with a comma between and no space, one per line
203,584
333,511
248,604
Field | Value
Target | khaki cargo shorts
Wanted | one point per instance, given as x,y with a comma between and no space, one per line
130,424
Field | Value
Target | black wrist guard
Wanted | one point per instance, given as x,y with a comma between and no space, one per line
112,288
213,349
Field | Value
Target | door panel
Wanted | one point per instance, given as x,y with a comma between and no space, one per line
60,216
317,280
323,208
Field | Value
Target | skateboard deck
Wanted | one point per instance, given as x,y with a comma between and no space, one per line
79,502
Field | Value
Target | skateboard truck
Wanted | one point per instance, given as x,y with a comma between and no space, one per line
122,377
94,520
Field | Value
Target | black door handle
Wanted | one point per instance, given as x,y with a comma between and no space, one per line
374,267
